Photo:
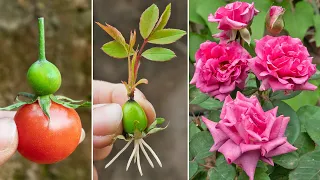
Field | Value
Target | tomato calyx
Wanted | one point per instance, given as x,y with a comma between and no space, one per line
45,102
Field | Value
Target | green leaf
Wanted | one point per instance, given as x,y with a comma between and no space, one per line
308,168
195,41
295,21
316,20
193,130
205,8
196,96
214,115
202,155
304,144
211,104
305,113
164,18
280,173
316,76
148,20
305,98
114,49
158,54
248,91
288,161
160,120
166,36
293,128
222,170
260,174
193,168
13,106
114,33
312,125
45,103
281,95
200,142
193,15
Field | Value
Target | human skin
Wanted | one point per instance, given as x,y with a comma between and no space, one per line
108,99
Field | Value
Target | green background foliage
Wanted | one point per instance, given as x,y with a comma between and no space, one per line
302,20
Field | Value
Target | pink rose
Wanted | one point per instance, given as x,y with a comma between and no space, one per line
220,68
274,21
236,15
233,16
282,63
246,133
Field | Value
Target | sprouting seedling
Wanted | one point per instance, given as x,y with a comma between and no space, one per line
152,30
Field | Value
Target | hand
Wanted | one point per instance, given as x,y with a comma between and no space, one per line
8,135
107,116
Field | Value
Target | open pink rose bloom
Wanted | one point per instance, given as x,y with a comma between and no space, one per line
282,63
220,68
246,133
233,16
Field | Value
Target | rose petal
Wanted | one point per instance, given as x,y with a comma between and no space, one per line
248,161
219,136
283,149
271,145
249,147
267,160
230,150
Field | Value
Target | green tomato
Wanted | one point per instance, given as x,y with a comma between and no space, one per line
44,77
134,117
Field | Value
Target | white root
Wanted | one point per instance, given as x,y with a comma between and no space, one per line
152,152
138,162
132,154
146,154
119,153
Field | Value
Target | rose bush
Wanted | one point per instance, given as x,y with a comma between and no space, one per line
282,63
264,126
220,68
245,133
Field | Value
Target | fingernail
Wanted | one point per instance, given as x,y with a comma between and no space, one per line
8,131
83,135
106,119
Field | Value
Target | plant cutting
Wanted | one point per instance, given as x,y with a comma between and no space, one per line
245,125
49,128
135,123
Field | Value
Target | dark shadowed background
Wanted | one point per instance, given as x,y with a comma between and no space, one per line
68,45
167,88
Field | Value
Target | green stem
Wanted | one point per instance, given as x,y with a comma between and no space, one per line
42,53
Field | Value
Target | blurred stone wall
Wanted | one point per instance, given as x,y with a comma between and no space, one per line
167,89
68,45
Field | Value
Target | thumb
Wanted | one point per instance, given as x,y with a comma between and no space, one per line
8,139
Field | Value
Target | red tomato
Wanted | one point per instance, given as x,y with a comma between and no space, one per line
47,141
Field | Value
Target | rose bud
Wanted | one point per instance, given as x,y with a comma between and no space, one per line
274,20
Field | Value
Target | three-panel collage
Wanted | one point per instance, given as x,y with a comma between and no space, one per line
160,89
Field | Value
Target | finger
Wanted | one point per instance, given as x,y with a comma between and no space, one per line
99,154
8,139
107,123
83,135
104,92
95,173
7,114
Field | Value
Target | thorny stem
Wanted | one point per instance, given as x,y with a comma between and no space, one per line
42,53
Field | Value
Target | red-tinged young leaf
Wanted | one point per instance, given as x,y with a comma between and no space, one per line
133,38
115,49
148,20
158,54
142,81
166,36
164,18
114,33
